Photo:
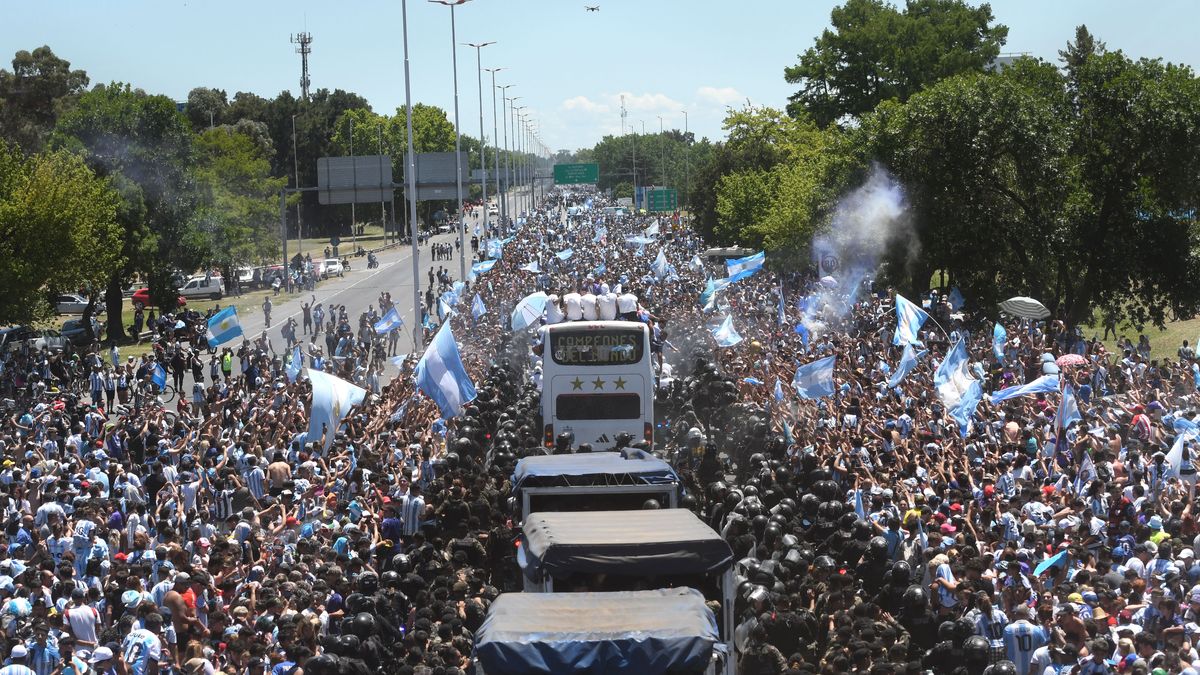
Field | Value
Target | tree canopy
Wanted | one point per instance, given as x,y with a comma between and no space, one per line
876,52
33,95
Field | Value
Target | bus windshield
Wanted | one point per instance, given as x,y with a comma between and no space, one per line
611,346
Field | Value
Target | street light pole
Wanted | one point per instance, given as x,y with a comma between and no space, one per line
462,222
482,141
507,114
501,200
410,178
662,145
296,168
515,155
687,160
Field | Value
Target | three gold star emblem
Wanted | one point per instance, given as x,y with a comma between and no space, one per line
598,383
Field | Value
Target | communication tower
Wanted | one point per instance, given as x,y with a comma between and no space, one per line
304,40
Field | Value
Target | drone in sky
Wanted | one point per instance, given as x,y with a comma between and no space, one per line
590,8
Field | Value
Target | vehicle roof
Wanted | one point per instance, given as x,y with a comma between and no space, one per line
659,631
649,542
634,465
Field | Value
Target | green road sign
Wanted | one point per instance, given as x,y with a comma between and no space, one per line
662,199
574,174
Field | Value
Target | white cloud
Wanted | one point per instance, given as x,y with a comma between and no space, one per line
584,104
722,96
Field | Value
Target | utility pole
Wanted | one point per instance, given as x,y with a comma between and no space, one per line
496,139
410,175
296,169
482,140
304,40
353,218
458,167
687,160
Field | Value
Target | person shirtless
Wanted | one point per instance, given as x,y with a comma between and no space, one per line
182,612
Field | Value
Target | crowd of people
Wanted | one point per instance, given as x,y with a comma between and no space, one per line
874,533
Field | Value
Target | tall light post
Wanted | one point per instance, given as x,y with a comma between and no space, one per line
507,115
662,144
496,138
410,178
482,143
462,225
296,169
687,159
516,152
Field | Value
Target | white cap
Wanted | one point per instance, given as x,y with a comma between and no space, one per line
19,652
101,654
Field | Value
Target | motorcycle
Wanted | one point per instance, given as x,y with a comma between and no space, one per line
372,261
346,264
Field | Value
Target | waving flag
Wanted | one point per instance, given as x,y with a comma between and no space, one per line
495,248
952,378
530,267
660,266
441,376
805,335
1068,409
297,364
482,268
477,307
1087,471
814,380
725,334
999,339
708,299
159,376
600,233
695,264
909,319
332,398
778,390
653,229
223,326
908,361
389,322
956,299
565,254
753,380
1043,385
1056,560
751,264
964,409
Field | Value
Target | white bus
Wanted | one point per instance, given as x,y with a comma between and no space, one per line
597,382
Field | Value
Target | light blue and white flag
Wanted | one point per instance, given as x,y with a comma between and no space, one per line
753,380
1068,410
398,360
956,299
565,254
814,380
389,322
296,366
1087,471
600,233
725,334
999,339
530,267
441,375
1043,385
964,409
909,319
695,264
159,376
708,298
660,266
908,361
952,379
778,390
477,307
482,267
639,240
223,326
750,263
652,230
332,399
495,248
445,309
805,335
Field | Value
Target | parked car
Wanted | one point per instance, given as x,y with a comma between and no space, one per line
75,331
141,299
202,287
333,268
36,339
73,303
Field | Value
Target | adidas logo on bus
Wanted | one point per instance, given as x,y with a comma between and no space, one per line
603,439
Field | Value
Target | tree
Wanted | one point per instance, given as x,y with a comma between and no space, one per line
875,53
143,146
207,107
32,96
238,212
1077,190
58,231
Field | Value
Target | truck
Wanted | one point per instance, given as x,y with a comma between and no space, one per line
609,481
647,632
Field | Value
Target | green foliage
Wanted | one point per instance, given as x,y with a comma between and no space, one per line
207,107
669,158
876,52
238,214
143,146
34,94
1078,189
58,231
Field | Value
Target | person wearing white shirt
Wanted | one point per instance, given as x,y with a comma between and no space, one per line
606,306
553,313
627,304
573,303
587,303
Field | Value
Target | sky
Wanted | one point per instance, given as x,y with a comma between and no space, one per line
569,66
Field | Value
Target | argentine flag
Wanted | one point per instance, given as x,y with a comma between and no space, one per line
441,376
159,376
223,326
389,322
481,268
814,380
909,319
477,307
332,398
297,364
725,334
743,268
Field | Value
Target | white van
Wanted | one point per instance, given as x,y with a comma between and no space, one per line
201,287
